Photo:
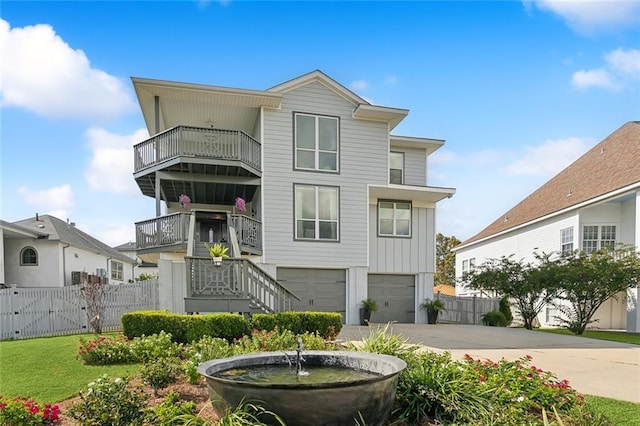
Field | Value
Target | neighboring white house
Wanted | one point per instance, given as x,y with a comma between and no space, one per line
45,251
592,203
142,267
337,208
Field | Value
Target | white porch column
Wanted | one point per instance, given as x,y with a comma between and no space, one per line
357,291
633,294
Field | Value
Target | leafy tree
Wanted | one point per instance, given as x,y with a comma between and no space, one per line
445,260
588,280
531,287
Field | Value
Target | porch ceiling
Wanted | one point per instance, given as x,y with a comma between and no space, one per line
427,194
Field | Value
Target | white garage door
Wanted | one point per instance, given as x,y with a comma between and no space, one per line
395,295
318,289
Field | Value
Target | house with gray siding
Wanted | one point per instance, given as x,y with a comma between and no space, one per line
333,207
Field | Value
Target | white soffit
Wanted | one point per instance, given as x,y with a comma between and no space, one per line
379,113
428,144
428,194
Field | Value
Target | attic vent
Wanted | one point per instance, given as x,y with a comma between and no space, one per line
570,193
506,218
602,150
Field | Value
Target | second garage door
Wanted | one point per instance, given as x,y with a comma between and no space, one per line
318,289
395,295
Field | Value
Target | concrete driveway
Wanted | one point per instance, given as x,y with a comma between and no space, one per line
594,367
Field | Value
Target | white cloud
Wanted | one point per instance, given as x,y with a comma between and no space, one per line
56,201
359,85
111,165
115,234
622,68
550,158
43,74
625,62
585,79
589,16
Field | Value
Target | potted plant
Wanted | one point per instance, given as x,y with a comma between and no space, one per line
433,308
368,307
217,252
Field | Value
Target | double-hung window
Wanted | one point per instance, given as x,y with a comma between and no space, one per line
566,240
316,142
317,213
394,219
595,237
396,167
117,270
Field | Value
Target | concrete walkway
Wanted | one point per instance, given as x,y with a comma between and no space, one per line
594,367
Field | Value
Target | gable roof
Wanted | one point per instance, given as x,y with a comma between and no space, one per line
611,165
58,230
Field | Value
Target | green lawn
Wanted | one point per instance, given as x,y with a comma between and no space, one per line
47,370
621,413
616,336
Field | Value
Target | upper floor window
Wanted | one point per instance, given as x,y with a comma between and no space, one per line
28,257
117,269
316,140
566,240
396,167
468,265
316,209
394,219
596,237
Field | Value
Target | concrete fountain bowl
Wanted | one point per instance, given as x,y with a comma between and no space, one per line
331,402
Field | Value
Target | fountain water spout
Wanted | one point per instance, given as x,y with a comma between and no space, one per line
299,358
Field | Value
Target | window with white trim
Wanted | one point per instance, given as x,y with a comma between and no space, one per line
597,237
468,265
117,270
316,211
566,240
396,167
28,257
316,142
394,219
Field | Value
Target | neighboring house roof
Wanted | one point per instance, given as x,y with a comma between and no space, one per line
130,247
611,165
11,230
447,290
58,230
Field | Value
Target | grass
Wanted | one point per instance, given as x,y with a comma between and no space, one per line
616,336
621,413
47,370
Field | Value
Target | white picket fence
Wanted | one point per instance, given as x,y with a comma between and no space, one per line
38,312
466,310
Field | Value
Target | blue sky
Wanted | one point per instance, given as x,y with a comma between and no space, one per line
518,89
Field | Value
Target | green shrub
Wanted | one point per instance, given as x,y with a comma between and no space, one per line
203,350
494,319
169,410
107,402
226,326
325,324
106,350
25,412
505,308
160,373
156,346
380,341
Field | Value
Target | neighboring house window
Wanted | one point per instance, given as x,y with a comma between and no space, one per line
596,237
316,209
394,219
396,167
566,237
29,257
468,265
117,270
316,140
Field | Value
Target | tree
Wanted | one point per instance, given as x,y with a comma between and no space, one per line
445,260
94,292
530,286
589,280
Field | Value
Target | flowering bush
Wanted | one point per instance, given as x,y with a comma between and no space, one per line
20,411
156,346
105,350
185,202
108,402
241,205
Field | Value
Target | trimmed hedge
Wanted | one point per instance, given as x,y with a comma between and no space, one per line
494,319
325,324
184,328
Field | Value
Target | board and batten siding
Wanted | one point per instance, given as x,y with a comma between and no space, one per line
415,166
403,255
363,160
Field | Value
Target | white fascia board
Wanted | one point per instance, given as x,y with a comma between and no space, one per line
423,194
